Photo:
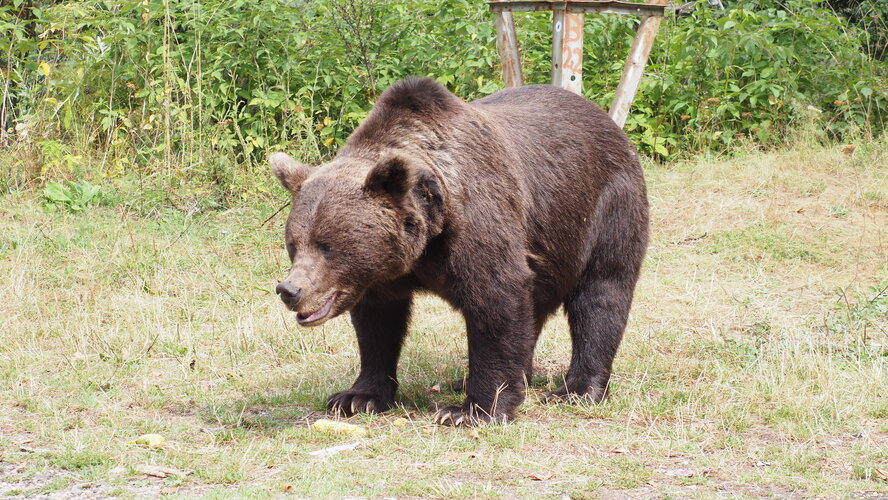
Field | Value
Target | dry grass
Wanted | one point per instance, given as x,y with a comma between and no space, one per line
755,363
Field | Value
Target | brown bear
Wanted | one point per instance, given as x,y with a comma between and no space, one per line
506,207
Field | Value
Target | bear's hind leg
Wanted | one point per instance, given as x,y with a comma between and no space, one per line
381,326
598,306
597,310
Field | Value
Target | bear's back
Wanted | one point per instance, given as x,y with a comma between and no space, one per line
567,153
545,122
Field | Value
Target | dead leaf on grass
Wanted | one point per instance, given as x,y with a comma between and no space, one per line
28,449
881,474
541,477
160,471
692,239
436,388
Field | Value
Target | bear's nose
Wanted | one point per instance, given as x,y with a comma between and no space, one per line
290,295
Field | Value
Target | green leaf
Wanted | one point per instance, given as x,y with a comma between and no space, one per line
55,192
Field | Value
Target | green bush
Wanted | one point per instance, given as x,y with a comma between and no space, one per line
870,18
181,91
754,71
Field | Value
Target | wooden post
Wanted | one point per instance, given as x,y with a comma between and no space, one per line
634,69
567,43
557,45
567,50
507,46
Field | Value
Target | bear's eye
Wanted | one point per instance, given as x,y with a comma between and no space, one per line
325,248
410,225
291,249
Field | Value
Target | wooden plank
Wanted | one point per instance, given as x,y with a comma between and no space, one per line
579,6
634,68
507,46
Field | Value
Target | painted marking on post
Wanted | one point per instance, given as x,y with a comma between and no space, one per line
572,53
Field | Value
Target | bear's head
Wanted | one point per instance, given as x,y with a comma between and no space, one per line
353,223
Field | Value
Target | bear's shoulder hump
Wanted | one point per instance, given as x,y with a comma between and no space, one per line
419,95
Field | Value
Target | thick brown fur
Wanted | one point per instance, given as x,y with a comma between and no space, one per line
507,207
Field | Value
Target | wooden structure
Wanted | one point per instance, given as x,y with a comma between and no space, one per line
567,43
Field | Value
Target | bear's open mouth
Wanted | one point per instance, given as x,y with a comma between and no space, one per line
320,313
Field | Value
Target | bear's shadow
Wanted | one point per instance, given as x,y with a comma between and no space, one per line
306,401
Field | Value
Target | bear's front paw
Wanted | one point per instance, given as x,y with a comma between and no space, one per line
347,403
469,414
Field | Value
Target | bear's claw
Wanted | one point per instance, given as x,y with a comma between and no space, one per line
348,403
442,417
451,415
564,395
465,416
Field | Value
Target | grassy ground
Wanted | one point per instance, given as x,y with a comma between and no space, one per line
755,363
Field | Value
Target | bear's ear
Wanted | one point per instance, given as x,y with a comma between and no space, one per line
392,177
290,172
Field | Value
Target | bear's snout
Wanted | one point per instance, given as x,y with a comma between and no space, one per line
289,294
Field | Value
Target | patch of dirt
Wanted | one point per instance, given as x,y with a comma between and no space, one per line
16,483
